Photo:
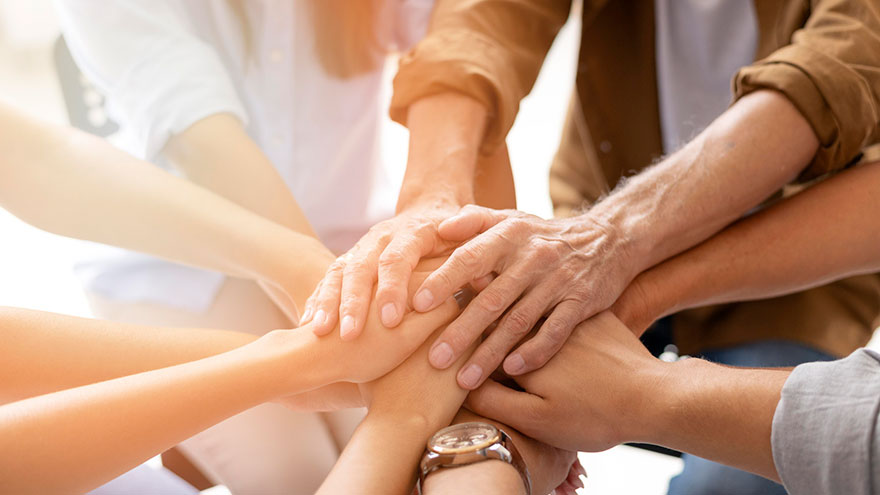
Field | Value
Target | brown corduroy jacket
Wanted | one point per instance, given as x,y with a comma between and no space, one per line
823,55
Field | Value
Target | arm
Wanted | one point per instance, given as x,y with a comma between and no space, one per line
195,118
144,208
142,414
405,407
458,92
719,413
572,268
819,235
45,352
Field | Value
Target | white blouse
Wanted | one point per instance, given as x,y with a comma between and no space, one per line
165,64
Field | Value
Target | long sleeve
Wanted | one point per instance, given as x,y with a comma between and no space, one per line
831,72
490,50
826,430
158,76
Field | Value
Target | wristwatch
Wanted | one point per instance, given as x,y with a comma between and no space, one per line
469,443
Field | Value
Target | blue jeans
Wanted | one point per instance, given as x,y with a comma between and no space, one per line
702,477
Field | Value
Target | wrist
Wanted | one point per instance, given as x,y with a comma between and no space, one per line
446,131
669,397
492,476
294,361
639,306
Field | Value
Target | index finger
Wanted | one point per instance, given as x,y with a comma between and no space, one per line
469,262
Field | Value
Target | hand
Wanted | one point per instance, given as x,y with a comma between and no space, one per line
594,394
383,349
573,481
389,251
569,268
415,389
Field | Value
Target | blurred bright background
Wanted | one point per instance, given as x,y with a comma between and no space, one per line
36,266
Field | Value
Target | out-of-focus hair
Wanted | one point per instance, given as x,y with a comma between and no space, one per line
348,38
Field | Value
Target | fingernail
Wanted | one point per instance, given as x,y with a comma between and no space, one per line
441,355
514,364
389,314
306,315
423,300
347,326
471,376
320,317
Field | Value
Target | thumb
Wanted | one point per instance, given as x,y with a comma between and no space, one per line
468,222
511,407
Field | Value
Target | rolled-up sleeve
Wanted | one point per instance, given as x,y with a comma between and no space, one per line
158,77
831,73
826,436
490,50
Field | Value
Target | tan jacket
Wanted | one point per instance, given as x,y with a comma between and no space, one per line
824,55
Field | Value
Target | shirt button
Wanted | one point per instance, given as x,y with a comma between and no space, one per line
275,56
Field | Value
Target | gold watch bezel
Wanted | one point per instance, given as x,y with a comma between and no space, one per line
493,437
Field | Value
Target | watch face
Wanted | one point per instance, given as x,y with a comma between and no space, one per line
465,437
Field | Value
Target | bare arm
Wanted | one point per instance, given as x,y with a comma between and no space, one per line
62,180
822,234
405,408
142,414
115,425
604,388
575,267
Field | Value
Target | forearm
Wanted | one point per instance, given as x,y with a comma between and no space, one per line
74,351
217,153
408,405
143,208
754,148
446,131
490,477
819,235
113,426
719,413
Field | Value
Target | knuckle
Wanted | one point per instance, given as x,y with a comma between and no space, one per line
468,257
518,322
491,300
557,329
391,258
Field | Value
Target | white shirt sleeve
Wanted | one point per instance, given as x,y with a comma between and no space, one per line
157,75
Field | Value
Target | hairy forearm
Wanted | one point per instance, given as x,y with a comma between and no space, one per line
759,144
115,425
446,131
819,235
715,412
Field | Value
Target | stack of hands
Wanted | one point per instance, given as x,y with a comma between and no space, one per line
533,293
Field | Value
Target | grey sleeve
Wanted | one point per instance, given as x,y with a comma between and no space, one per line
825,429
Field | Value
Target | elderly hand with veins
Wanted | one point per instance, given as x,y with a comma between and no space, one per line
567,269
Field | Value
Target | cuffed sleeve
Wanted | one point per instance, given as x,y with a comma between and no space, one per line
490,50
825,430
831,73
157,76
